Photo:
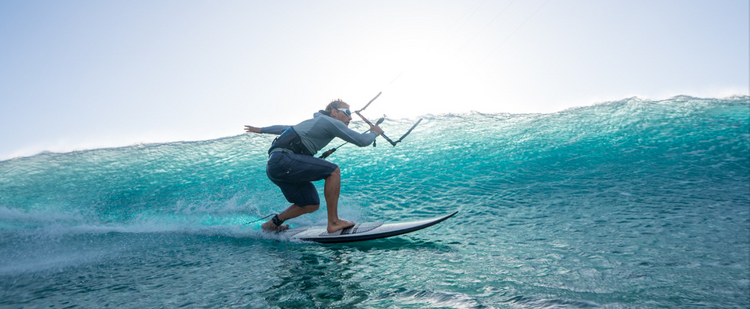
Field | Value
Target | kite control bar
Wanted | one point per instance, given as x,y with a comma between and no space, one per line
330,151
383,134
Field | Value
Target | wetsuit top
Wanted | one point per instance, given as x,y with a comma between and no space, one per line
317,132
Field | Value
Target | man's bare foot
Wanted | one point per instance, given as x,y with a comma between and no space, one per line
338,225
272,227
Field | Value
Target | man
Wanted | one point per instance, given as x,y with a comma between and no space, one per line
293,167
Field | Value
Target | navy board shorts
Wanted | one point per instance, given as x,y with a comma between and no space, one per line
294,174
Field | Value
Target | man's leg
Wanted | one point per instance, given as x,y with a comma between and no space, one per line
292,212
331,192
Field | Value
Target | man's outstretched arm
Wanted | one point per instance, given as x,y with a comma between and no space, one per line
277,129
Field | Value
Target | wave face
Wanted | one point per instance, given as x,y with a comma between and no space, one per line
628,203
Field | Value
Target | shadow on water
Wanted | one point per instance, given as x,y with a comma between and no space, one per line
313,275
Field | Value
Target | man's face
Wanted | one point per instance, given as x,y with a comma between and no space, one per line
341,115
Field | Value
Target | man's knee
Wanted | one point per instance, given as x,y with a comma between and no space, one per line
336,173
309,208
312,208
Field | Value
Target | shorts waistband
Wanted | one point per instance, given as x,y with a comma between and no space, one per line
280,150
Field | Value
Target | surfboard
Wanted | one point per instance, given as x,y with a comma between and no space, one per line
361,231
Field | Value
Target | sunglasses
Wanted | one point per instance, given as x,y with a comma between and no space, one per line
346,111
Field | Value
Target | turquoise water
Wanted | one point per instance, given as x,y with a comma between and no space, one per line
628,204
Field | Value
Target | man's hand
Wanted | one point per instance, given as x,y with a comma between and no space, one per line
376,129
252,129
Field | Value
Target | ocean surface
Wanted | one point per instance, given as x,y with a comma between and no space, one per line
627,204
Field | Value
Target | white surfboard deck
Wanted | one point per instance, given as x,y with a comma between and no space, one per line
361,231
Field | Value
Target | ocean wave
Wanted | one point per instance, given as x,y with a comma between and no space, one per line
222,181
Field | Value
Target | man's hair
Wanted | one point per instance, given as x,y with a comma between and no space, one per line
335,104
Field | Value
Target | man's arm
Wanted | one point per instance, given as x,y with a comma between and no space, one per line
356,138
277,129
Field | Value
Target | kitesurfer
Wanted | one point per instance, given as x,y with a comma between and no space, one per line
293,167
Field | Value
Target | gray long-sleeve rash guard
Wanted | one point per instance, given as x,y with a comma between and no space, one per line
317,132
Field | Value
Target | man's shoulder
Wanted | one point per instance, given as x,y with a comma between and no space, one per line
328,119
321,113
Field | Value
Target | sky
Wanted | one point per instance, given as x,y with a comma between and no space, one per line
89,74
